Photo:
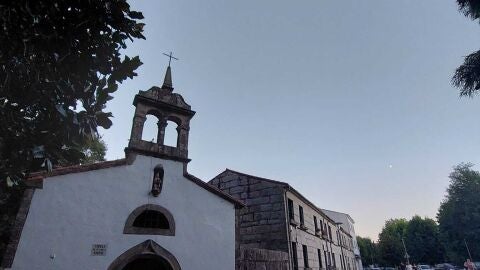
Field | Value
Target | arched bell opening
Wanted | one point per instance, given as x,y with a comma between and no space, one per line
171,134
150,129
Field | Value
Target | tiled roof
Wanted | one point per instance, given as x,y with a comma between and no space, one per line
36,176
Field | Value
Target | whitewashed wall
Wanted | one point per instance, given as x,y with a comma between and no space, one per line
74,211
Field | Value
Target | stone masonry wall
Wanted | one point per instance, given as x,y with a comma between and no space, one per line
262,224
261,259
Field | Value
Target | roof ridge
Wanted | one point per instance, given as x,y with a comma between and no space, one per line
338,212
258,177
214,189
289,187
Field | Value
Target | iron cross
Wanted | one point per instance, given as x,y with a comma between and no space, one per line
170,57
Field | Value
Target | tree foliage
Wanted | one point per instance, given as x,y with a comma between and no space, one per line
390,242
422,241
60,61
470,8
459,214
93,150
467,76
367,251
421,236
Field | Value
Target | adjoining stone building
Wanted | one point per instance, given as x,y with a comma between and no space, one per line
278,217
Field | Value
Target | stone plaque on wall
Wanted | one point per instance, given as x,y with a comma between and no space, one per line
99,250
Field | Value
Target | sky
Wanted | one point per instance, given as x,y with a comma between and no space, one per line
349,101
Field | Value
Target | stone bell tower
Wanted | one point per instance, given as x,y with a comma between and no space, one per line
165,106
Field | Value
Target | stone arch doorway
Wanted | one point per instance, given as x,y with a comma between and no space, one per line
148,263
146,256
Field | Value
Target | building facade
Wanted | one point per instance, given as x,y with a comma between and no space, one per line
142,212
278,217
347,223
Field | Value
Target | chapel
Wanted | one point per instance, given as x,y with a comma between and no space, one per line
144,211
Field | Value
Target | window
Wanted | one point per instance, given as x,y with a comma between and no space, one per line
300,211
329,259
326,259
319,253
294,254
150,219
315,223
290,210
305,256
330,233
333,260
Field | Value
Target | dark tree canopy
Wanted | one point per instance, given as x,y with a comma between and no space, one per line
93,150
60,61
470,8
390,242
367,251
423,242
459,214
467,76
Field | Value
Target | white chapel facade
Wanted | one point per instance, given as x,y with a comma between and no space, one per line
141,212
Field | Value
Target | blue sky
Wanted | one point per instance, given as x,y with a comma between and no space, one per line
349,101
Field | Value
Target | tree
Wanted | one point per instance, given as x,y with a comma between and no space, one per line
459,214
470,8
467,76
93,150
60,61
422,241
390,242
367,251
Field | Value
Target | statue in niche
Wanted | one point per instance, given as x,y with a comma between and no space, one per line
157,182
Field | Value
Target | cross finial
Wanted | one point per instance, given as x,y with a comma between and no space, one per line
170,57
